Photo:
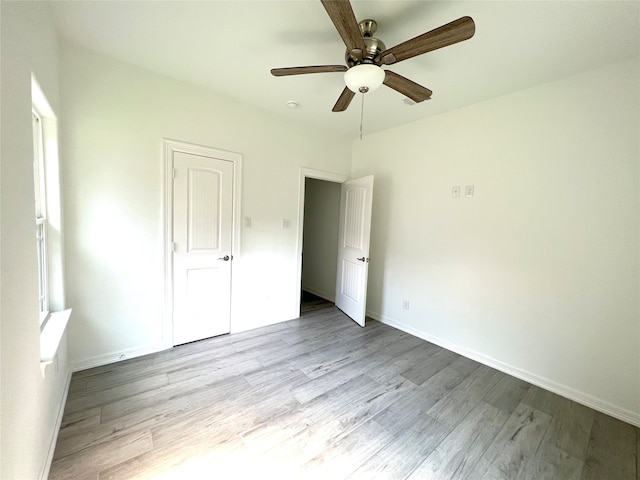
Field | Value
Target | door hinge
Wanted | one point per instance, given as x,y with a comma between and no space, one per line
173,247
174,173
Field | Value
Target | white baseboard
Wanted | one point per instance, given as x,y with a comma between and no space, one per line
581,397
114,357
46,467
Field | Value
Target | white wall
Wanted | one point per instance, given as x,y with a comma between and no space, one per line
320,244
116,116
31,404
538,272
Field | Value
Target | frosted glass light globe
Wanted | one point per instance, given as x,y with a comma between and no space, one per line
364,78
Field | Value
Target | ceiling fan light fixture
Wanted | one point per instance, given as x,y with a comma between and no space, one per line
364,78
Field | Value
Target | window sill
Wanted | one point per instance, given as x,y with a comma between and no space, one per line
51,336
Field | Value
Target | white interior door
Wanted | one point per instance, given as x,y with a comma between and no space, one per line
202,236
353,247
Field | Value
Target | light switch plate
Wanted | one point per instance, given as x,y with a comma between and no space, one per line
455,191
469,190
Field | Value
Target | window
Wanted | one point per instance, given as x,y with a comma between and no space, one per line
48,226
41,214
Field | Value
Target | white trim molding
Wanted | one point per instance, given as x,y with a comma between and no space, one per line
46,466
51,336
578,396
303,175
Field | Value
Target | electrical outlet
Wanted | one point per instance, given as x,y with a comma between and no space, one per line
455,191
285,223
247,222
405,304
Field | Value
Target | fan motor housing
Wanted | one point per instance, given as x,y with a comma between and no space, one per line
374,46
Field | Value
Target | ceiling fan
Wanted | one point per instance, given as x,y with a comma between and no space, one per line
366,54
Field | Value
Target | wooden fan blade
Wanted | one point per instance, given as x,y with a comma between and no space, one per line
343,100
454,32
283,72
406,87
344,20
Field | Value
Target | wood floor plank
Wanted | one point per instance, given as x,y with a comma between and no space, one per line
403,344
324,431
79,421
545,401
610,452
99,457
318,386
317,347
329,330
266,375
327,340
514,445
320,397
551,463
277,430
344,456
421,369
77,387
454,406
570,428
456,456
251,343
404,452
212,384
99,397
415,404
464,365
131,371
228,368
174,356
342,353
145,411
207,433
196,461
507,394
221,421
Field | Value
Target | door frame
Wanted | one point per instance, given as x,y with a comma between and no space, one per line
303,175
169,147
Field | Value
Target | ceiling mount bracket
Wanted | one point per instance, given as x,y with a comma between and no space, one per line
368,27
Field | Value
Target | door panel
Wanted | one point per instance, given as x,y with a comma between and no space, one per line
202,235
353,247
354,208
203,210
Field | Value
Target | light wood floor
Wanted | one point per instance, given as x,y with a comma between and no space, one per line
321,398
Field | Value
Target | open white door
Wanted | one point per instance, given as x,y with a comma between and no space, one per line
353,247
202,235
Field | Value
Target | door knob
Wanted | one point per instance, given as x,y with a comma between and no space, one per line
225,258
361,259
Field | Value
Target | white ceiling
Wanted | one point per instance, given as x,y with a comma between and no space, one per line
230,46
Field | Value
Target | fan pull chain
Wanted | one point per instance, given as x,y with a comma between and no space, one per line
361,115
